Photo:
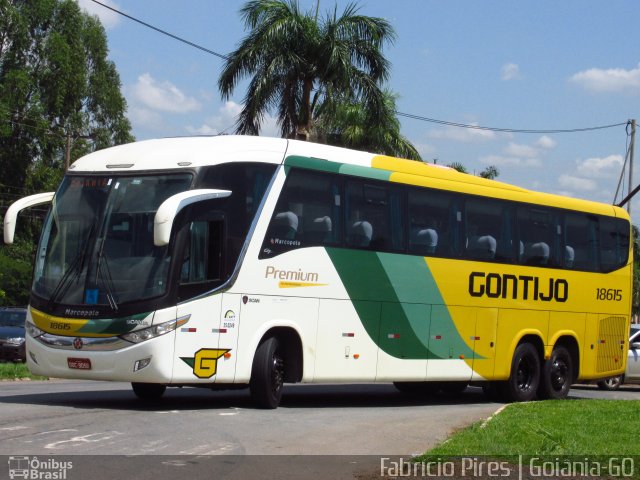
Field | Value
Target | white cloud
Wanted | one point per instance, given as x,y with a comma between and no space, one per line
108,17
464,135
599,80
510,71
225,122
595,167
162,96
510,161
426,151
221,123
520,150
577,183
145,118
546,143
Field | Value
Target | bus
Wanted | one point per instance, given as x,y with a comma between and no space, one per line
232,261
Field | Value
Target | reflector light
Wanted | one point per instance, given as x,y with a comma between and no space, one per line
140,364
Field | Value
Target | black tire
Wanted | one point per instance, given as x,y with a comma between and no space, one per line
267,374
148,391
557,375
612,383
417,388
524,380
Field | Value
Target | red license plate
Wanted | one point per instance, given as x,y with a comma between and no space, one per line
79,363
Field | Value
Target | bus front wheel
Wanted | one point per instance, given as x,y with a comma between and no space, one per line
267,374
148,391
557,375
525,374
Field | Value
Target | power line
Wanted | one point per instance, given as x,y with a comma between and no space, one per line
400,114
507,130
164,32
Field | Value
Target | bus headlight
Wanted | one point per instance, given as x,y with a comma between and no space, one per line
155,330
33,331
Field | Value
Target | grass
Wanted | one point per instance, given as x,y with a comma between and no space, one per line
565,431
15,371
551,428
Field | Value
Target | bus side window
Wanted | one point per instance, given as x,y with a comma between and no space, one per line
202,259
430,225
307,214
374,216
537,235
580,242
488,230
614,243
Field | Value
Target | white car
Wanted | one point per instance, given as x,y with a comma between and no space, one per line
632,373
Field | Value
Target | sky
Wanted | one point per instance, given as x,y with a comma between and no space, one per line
533,65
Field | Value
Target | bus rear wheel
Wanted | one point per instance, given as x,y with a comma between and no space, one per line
524,380
148,391
267,374
557,375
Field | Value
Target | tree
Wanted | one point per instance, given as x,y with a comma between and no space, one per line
351,125
491,172
59,94
458,166
298,62
59,99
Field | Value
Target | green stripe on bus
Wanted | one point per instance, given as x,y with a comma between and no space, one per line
398,302
113,326
336,167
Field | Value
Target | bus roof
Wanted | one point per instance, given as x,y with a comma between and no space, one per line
191,152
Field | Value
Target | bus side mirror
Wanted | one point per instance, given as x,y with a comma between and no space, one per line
166,214
12,212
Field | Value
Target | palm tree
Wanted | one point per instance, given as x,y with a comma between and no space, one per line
458,166
296,61
491,172
349,124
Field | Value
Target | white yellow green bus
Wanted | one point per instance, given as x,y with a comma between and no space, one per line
246,261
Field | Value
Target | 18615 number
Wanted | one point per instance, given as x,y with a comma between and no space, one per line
609,294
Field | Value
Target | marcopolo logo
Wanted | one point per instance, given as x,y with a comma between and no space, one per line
37,469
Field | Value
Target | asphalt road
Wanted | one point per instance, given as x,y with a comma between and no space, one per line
64,417
71,417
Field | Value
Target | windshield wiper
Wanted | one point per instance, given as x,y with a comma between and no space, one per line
76,266
106,279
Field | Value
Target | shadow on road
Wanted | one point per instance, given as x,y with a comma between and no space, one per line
294,396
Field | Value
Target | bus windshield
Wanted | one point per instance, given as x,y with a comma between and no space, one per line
97,242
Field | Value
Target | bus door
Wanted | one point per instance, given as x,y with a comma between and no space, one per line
200,356
196,346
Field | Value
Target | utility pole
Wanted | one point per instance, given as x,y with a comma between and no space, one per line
632,143
631,148
67,153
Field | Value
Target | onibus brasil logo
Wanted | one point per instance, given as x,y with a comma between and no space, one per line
33,468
